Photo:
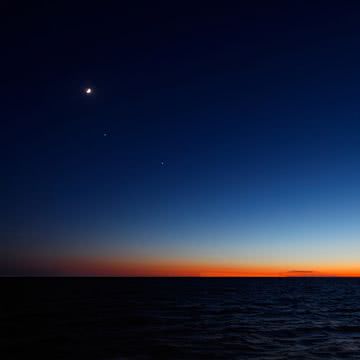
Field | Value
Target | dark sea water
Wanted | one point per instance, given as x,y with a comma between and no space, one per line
119,318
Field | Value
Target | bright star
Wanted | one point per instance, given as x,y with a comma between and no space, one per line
88,91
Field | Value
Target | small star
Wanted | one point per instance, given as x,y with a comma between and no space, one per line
88,91
162,163
106,134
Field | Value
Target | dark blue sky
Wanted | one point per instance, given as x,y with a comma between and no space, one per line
233,132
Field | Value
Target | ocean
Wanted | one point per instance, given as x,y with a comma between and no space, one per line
180,318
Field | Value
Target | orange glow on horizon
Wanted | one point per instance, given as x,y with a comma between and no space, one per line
179,268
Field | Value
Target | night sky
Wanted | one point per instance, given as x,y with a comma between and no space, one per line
216,140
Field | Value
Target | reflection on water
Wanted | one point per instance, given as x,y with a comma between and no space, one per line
219,318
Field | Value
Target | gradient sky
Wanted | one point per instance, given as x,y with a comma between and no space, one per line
232,147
